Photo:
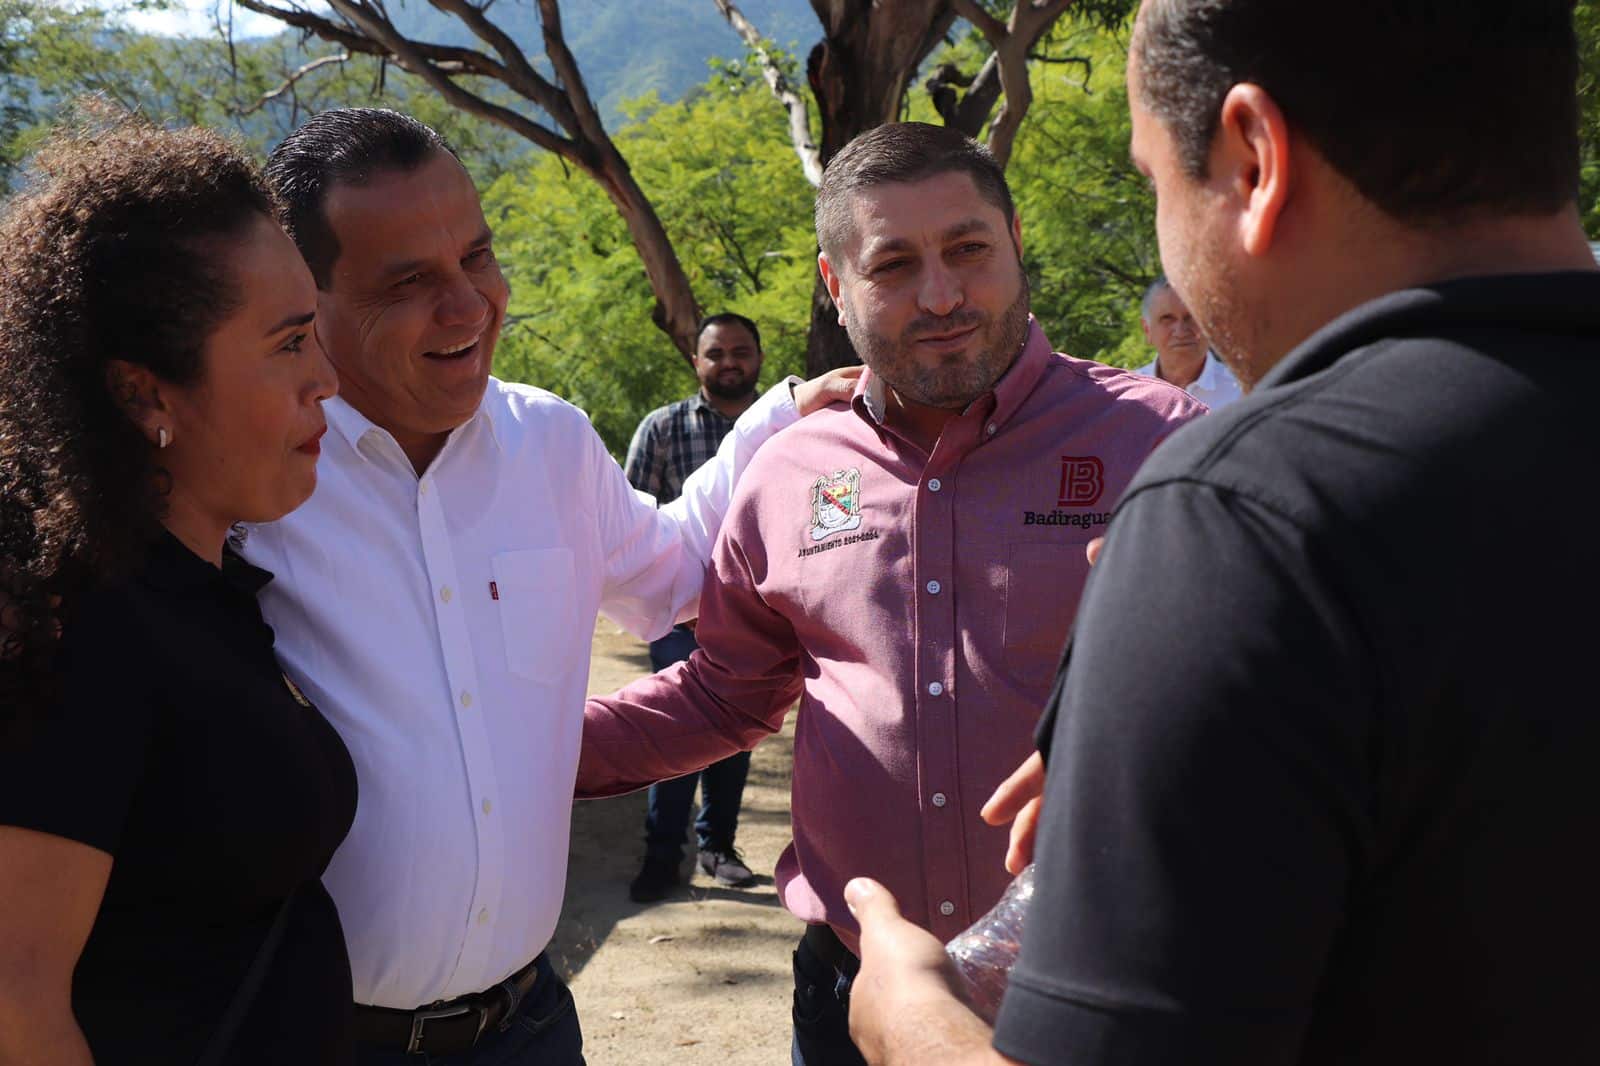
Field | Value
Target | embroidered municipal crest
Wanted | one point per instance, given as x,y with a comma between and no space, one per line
835,503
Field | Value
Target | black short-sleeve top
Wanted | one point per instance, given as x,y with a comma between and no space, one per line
1324,755
181,749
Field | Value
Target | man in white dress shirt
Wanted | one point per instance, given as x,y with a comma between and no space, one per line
436,596
1182,356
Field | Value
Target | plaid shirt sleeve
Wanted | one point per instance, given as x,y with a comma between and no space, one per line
646,465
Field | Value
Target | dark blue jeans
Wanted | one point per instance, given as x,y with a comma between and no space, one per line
666,819
821,1013
543,1032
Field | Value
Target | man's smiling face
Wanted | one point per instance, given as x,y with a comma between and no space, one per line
415,300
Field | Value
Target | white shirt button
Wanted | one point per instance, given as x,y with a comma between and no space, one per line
939,799
486,805
422,489
483,916
936,689
466,701
934,484
444,594
947,908
933,588
992,430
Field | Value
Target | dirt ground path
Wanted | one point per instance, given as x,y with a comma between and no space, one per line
703,977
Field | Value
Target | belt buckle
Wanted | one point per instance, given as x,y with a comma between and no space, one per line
420,1018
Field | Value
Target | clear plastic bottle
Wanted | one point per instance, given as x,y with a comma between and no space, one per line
985,953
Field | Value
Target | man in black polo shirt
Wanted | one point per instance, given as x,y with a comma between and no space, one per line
1322,763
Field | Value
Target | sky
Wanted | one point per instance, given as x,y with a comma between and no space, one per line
189,18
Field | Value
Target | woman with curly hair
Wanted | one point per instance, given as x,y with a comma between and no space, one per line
168,800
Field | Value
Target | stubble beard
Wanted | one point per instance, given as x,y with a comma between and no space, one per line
1231,325
745,388
953,383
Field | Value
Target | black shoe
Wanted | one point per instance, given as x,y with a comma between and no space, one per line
726,865
656,879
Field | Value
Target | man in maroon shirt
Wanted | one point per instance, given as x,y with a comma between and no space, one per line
908,566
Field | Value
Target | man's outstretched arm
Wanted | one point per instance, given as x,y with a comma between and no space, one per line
734,690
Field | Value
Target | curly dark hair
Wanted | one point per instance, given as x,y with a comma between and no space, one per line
116,248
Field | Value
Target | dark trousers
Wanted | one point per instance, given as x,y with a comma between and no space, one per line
543,1032
822,1011
666,819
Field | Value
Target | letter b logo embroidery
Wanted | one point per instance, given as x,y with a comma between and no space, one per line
1083,480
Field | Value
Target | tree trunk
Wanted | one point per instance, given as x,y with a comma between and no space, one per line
676,312
858,74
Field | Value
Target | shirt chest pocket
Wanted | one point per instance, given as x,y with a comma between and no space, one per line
1043,585
537,591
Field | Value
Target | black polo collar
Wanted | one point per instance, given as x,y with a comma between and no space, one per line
1566,303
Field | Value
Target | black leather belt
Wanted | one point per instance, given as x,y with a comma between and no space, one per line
448,1027
826,945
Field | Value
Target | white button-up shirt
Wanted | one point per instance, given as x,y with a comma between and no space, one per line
442,624
1215,387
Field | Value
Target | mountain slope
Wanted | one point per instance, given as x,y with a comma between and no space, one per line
626,48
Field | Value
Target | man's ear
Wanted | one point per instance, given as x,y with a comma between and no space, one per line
1253,152
1016,232
1145,325
137,393
831,280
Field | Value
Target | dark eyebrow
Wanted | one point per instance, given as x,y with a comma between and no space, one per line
486,237
960,229
292,320
409,266
965,227
895,244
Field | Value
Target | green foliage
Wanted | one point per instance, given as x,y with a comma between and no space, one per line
730,193
1587,16
1088,216
53,54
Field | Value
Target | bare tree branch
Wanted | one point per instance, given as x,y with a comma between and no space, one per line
289,82
585,115
1012,42
795,104
365,17
447,57
993,30
1085,62
520,74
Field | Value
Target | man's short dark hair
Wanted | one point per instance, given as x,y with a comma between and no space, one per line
903,152
727,318
346,146
1436,110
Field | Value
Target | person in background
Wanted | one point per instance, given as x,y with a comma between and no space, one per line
907,566
168,800
1321,779
1182,355
437,595
669,445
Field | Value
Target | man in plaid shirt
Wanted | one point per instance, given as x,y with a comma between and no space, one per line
667,447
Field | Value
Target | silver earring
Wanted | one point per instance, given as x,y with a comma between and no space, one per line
161,437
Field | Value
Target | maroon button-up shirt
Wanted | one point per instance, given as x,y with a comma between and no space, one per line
916,605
